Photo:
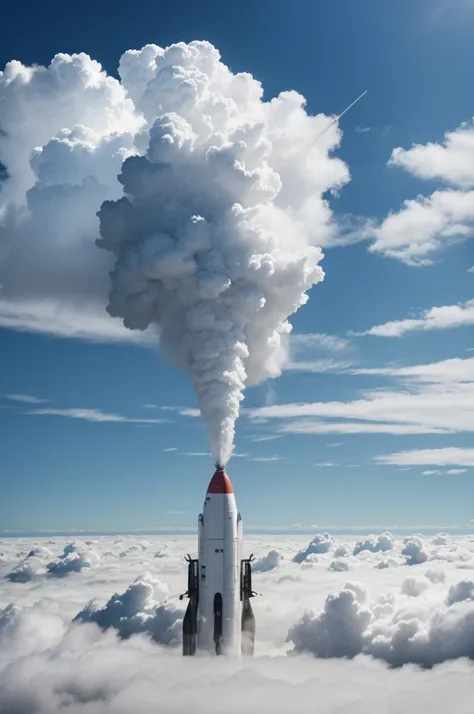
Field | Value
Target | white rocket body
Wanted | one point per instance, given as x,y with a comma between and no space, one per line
219,618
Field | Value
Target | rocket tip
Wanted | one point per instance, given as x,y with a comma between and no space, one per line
220,482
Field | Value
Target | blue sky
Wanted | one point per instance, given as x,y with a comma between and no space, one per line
415,60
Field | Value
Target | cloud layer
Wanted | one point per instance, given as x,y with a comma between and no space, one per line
121,652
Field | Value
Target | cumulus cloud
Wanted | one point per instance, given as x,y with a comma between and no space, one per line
75,557
425,225
66,129
341,551
436,575
338,566
32,565
388,627
268,562
414,551
374,543
137,611
461,591
27,570
415,586
337,631
451,161
321,543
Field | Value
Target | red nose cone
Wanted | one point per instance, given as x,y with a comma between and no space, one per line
220,483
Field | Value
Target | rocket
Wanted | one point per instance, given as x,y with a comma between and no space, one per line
219,618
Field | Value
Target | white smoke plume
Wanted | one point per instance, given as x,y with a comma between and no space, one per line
214,239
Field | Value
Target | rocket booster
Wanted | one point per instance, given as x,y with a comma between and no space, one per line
219,617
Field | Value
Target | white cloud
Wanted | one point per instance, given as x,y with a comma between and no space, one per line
79,321
419,457
374,544
266,437
136,610
436,318
440,472
319,352
75,557
120,665
319,366
308,426
436,398
425,225
414,550
25,398
331,343
266,458
93,415
171,448
183,411
321,543
452,161
268,562
449,371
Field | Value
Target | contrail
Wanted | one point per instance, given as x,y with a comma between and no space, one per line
336,119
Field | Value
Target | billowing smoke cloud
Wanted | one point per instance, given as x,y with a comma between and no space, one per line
211,240
372,543
136,610
396,628
321,543
212,225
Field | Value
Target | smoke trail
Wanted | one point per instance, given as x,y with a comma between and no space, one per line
212,239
